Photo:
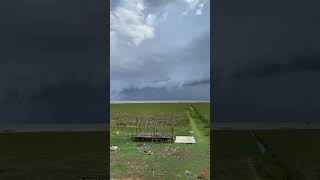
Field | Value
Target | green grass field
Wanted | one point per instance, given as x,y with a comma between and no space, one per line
168,161
52,156
293,154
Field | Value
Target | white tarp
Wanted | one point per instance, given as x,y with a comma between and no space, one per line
185,139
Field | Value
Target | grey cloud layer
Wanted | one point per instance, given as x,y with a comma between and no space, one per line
199,91
277,68
51,48
152,68
267,60
170,70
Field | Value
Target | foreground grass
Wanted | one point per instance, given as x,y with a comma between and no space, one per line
293,154
297,149
52,156
168,161
231,152
204,109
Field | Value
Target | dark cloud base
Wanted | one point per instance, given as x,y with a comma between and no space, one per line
67,103
53,61
266,61
196,91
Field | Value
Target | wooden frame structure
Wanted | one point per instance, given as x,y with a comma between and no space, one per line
153,129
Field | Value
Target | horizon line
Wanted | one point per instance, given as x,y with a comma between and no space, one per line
155,101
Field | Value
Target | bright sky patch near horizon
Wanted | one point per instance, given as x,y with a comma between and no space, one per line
160,50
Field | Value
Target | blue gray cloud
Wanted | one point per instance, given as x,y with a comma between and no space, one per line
267,61
160,49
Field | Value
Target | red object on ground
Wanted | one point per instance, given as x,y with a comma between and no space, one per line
203,173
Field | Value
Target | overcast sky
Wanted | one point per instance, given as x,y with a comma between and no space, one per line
53,61
160,50
267,60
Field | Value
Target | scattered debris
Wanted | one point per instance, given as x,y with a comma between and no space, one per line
148,150
140,146
169,150
187,173
114,148
145,149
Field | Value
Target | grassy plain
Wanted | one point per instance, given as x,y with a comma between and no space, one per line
52,155
292,154
168,161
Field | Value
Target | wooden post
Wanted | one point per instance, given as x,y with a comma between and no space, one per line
172,131
136,125
152,128
147,126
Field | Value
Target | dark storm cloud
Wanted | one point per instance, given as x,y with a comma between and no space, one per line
295,64
199,82
198,91
158,4
52,59
198,88
266,60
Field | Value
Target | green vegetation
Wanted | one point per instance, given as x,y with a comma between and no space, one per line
52,156
168,161
201,112
291,155
149,107
204,109
298,150
233,151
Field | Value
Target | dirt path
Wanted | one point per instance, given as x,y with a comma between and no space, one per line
253,170
196,131
202,147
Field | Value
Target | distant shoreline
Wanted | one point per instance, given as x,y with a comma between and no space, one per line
40,127
264,125
159,101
